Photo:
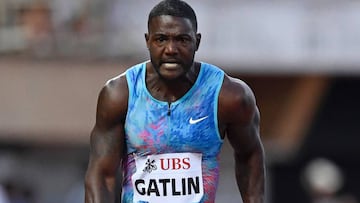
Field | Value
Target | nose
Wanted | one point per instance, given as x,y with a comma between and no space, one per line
171,47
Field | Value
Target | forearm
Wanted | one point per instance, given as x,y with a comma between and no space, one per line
250,176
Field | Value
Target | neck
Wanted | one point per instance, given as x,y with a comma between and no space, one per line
170,90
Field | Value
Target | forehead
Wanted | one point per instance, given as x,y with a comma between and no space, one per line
167,23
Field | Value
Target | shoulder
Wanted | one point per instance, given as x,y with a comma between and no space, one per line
236,89
113,98
115,90
236,100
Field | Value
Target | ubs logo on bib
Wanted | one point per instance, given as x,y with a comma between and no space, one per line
168,164
175,163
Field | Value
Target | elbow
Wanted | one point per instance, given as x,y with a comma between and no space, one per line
255,153
87,181
88,186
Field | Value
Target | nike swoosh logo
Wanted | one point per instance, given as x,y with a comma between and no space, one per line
191,121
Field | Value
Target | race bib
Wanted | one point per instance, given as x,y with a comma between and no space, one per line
174,177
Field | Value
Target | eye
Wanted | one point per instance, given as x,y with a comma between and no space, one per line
184,40
160,39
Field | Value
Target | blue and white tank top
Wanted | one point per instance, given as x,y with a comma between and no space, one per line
172,149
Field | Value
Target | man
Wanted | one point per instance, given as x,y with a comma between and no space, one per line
164,122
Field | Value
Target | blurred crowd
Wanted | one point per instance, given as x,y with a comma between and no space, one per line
58,28
286,32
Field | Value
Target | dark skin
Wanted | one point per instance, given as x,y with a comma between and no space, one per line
172,43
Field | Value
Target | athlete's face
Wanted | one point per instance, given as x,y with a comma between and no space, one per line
172,43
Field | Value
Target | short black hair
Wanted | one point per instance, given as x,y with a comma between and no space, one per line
177,8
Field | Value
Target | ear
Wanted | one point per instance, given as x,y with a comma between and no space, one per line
198,39
147,39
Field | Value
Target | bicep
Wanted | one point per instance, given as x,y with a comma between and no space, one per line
107,137
245,137
242,118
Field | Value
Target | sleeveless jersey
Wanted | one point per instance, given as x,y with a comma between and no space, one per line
172,148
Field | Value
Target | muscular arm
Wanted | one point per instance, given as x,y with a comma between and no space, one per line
107,143
242,129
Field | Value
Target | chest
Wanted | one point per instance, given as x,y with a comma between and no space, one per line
188,125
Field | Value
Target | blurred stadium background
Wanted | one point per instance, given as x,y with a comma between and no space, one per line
302,59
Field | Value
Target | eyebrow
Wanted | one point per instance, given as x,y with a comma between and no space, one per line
176,35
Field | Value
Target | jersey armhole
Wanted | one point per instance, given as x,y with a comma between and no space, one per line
216,105
130,92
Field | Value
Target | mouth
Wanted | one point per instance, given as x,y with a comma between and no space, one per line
171,64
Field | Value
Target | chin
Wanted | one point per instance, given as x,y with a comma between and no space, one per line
172,74
170,77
